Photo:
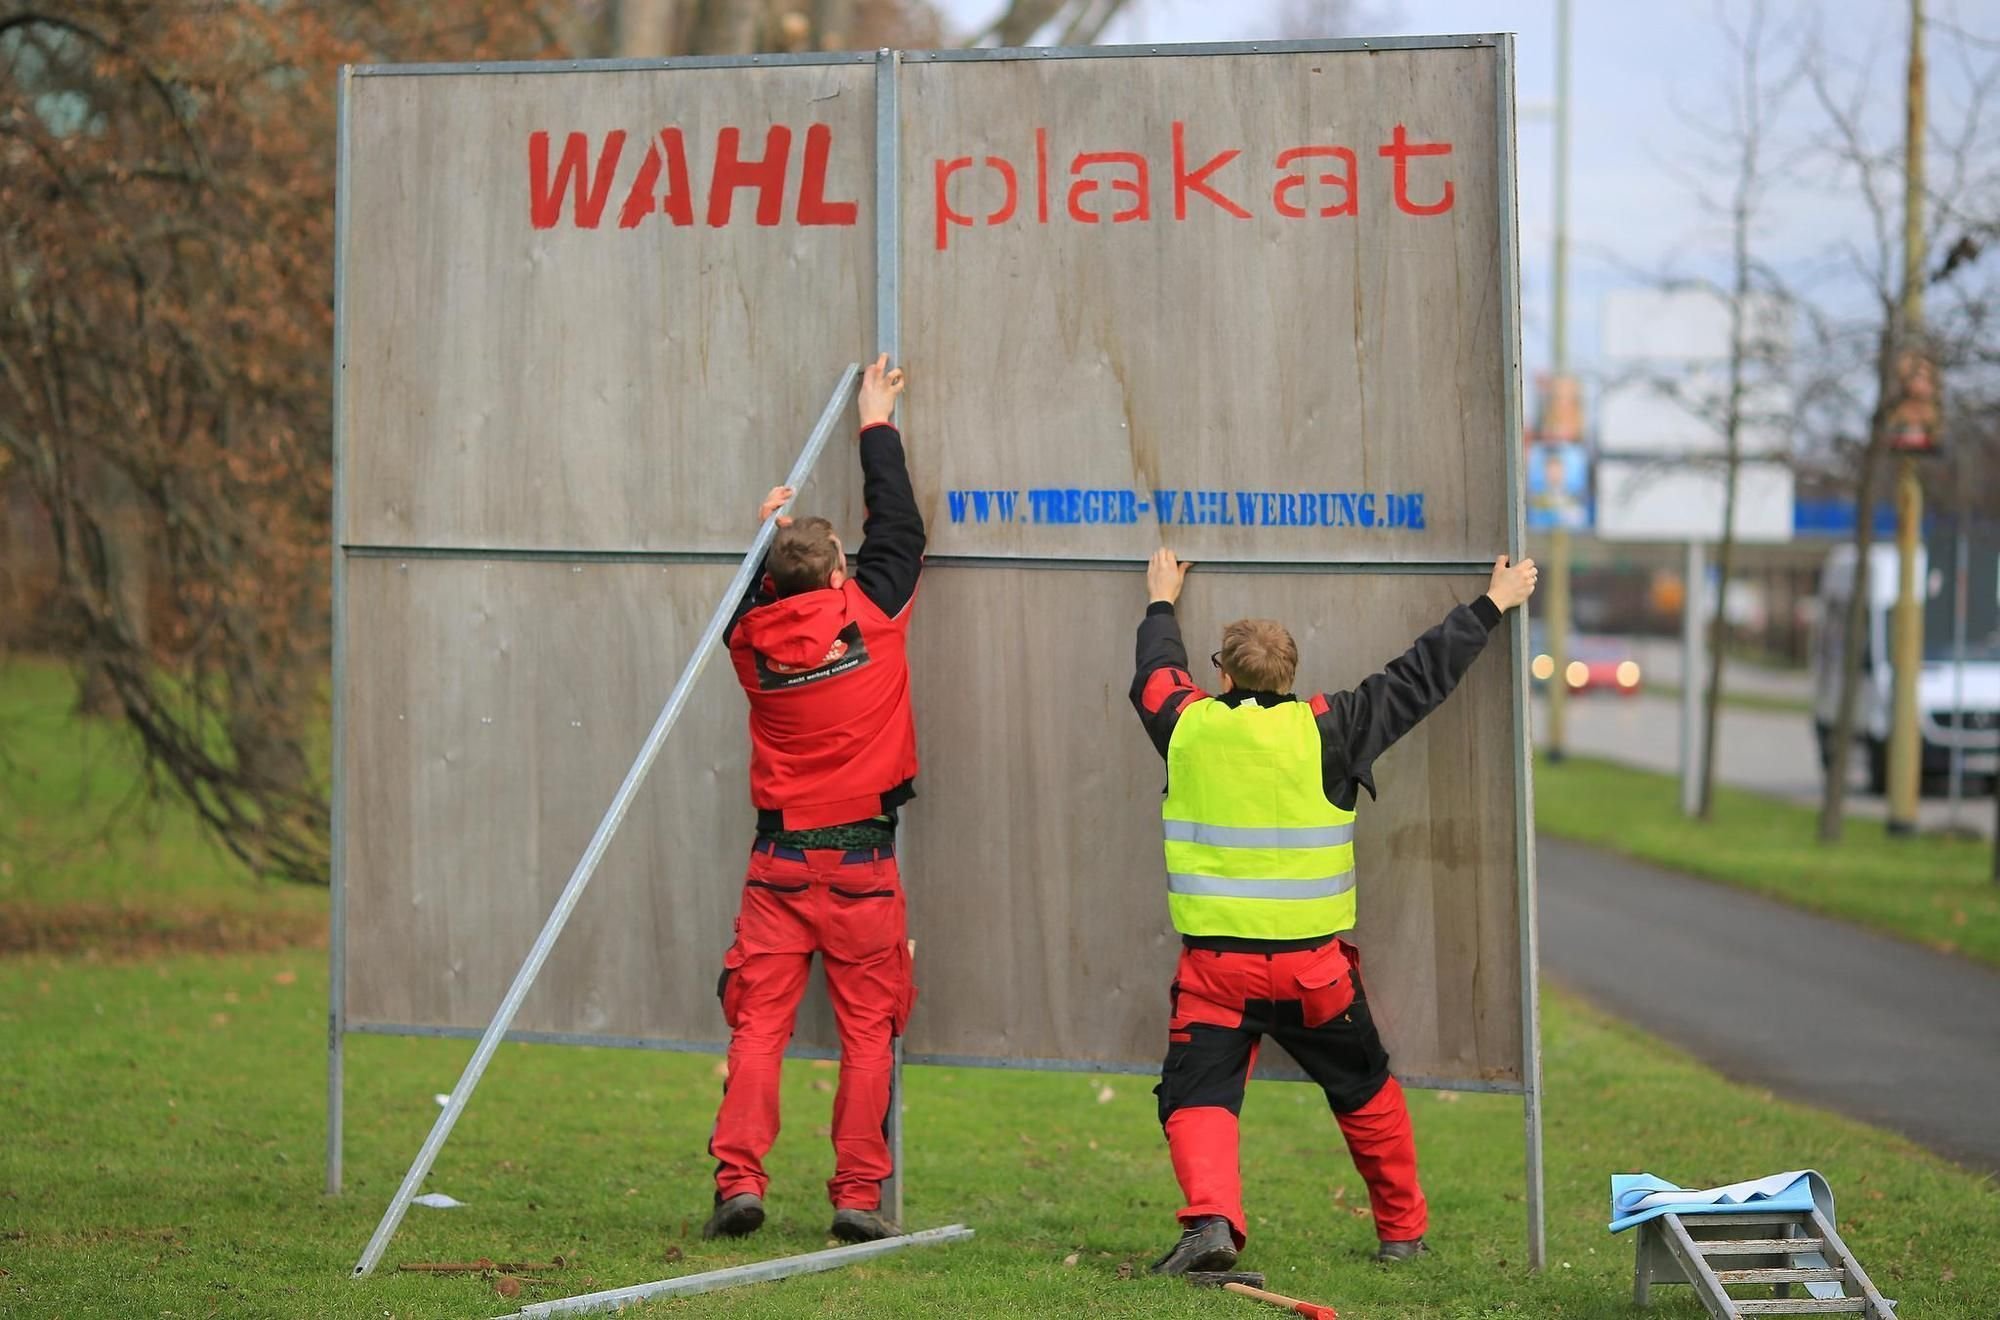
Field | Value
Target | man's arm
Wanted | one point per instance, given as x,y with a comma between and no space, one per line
1162,687
1358,726
759,591
891,556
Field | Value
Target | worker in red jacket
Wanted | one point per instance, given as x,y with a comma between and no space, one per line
819,647
1259,817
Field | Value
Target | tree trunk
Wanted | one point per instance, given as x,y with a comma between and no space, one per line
1022,20
1732,435
726,27
647,28
833,24
1725,559
1089,22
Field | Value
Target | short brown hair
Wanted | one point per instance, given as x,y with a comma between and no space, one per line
803,556
1260,655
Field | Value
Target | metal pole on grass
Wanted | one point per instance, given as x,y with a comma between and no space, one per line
336,935
600,841
888,339
1906,739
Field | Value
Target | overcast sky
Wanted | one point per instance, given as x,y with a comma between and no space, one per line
1635,69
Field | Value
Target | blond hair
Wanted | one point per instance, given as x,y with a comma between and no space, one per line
803,556
1260,655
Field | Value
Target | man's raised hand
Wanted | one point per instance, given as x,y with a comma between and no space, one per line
880,385
1512,583
1164,575
774,502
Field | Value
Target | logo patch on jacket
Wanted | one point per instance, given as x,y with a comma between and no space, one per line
848,652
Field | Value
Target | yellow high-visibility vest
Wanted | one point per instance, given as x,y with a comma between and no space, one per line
1254,848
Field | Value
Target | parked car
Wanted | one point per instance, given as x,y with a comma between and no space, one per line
1604,664
1956,708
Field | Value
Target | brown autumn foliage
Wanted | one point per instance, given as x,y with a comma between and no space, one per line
166,239
166,216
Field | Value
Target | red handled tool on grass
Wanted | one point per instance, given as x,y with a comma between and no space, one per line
1248,1283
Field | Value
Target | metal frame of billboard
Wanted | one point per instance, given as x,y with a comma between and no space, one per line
887,309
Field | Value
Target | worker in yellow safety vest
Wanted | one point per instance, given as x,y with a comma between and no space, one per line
1259,823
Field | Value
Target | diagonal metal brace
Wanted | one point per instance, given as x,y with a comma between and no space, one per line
601,840
689,1285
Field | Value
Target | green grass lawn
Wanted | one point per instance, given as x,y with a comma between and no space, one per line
1930,889
91,855
165,1136
163,1129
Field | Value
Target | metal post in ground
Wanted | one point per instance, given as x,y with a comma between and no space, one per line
888,339
601,840
1905,736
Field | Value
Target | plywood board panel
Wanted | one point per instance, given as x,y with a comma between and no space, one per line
493,711
624,356
1095,317
496,706
1036,878
517,380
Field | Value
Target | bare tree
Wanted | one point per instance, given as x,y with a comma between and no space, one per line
164,329
1768,66
1958,212
1060,22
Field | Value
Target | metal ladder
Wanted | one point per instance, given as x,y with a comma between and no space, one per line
1799,1247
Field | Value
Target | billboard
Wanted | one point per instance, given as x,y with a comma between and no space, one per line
1256,304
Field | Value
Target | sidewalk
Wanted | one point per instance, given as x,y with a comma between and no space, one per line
1818,1010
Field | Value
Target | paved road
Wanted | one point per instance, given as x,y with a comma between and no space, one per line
1817,1010
1770,752
1660,660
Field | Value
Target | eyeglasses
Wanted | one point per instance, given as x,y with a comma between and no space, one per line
1216,660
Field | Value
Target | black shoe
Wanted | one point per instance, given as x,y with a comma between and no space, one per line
1391,1252
862,1226
1206,1244
739,1216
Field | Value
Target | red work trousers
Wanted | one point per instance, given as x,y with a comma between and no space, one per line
1310,1002
849,909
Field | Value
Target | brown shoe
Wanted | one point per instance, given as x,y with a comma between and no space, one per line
863,1226
739,1216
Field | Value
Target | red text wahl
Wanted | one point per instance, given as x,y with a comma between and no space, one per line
662,187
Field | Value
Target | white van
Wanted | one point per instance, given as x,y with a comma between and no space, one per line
1977,730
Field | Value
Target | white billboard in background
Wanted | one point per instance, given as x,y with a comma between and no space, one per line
1639,500
1690,325
1647,411
1662,418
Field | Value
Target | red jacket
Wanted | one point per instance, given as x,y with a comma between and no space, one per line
832,738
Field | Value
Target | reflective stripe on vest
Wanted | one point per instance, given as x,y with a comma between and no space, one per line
1254,848
1228,836
1289,890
